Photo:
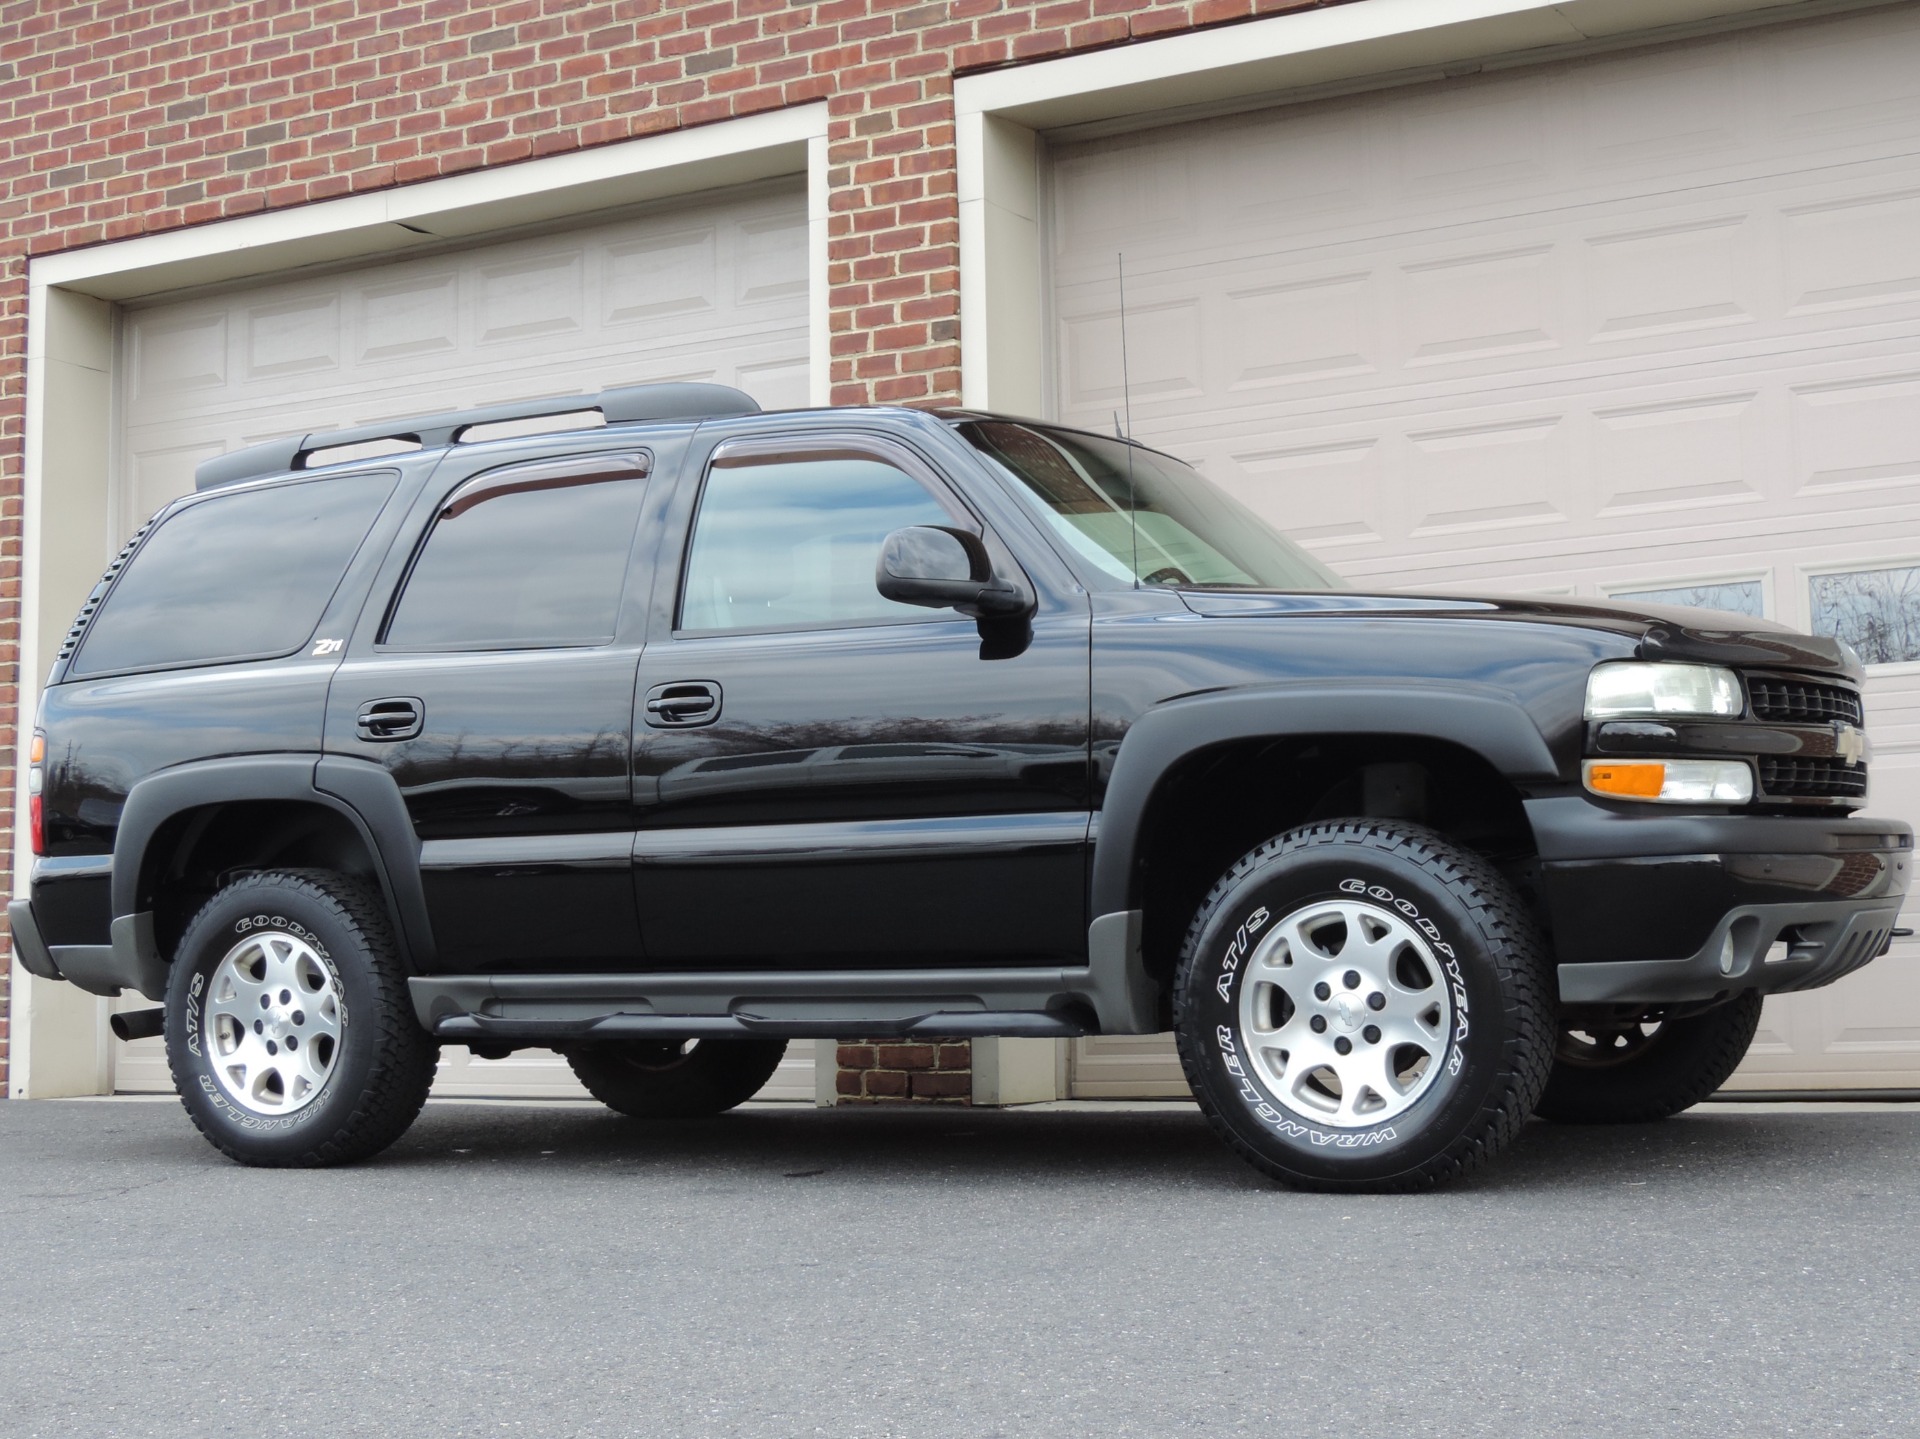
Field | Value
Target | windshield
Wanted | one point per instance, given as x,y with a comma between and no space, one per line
1189,535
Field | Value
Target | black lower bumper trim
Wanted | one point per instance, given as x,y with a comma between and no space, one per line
34,956
132,961
1774,948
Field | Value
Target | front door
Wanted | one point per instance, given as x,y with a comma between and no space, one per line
827,778
496,687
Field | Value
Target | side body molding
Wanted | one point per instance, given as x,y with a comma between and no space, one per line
1477,717
362,793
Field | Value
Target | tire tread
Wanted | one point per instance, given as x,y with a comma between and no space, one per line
1519,953
405,1055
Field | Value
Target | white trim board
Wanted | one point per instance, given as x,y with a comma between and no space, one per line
1295,51
60,1044
707,157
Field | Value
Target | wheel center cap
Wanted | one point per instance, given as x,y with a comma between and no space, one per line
1349,1012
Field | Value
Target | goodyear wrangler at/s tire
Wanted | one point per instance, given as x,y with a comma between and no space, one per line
289,1032
1362,1006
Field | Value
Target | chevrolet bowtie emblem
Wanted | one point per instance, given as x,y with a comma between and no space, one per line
1849,743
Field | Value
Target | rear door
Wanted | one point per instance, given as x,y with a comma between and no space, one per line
827,778
492,676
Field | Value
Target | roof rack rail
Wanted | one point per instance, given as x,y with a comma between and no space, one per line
624,405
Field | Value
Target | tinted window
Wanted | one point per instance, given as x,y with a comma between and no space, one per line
237,576
795,540
1127,510
522,566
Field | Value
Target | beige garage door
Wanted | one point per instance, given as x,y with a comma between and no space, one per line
715,290
1642,323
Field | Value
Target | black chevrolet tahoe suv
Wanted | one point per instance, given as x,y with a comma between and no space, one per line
660,731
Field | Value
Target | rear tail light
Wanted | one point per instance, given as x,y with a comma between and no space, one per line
36,807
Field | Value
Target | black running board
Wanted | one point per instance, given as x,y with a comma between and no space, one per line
554,1033
559,1009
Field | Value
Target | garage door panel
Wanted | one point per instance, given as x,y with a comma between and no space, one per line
671,292
1856,434
1642,321
714,289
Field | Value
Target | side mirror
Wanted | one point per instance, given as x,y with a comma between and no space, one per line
944,568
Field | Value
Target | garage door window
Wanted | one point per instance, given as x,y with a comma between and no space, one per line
1739,597
233,577
531,558
1875,611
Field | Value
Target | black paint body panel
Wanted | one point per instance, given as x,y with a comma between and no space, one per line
931,794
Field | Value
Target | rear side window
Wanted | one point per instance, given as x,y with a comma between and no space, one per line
530,558
234,577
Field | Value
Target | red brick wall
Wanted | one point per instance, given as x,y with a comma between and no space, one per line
886,1071
124,117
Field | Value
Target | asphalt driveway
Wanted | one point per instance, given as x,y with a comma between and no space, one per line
556,1270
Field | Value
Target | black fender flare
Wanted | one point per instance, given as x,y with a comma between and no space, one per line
1480,718
364,794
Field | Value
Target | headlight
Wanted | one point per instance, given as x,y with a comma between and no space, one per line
1671,781
1620,690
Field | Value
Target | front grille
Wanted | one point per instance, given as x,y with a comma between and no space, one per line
1800,701
1812,779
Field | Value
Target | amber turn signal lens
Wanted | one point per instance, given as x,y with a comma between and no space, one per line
38,751
1637,780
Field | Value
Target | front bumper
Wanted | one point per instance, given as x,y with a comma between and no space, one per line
1662,908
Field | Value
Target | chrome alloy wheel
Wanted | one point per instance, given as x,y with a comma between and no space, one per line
273,1020
1345,1013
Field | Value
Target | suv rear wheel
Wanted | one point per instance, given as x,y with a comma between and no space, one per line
288,1028
675,1078
1639,1067
1362,1005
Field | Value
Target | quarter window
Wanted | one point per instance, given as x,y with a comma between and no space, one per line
531,558
794,539
238,576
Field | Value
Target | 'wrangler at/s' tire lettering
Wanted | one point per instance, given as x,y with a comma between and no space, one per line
1363,1005
289,1032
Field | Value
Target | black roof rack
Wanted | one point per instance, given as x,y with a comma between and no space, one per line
624,405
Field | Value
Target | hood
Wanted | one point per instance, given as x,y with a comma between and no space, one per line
1661,632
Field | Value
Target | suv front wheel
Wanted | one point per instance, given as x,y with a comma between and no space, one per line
289,1032
1362,1005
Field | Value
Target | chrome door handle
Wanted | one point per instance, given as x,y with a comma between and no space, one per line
683,704
399,718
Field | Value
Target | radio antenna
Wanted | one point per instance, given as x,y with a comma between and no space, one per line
1126,400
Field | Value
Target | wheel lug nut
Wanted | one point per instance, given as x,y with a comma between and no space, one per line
293,1042
272,1048
286,995
1371,1034
1351,979
1320,991
266,1001
1376,1000
1342,1044
300,1016
259,1026
1318,1023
